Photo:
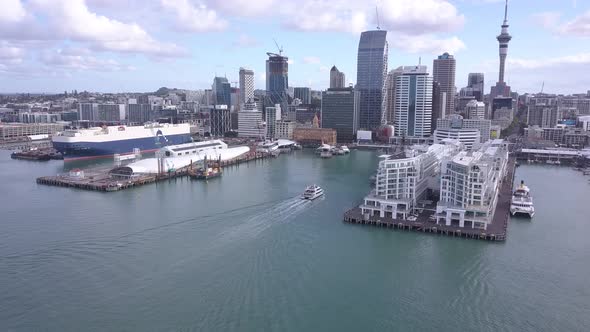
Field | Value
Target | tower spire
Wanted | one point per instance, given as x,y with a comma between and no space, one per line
506,12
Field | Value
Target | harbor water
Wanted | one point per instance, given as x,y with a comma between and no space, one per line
244,253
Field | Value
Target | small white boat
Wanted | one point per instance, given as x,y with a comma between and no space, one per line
312,192
345,149
325,151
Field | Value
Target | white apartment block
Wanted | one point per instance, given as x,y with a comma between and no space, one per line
284,129
413,102
469,186
250,124
272,115
470,138
401,183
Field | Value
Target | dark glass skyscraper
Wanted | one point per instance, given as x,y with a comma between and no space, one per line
371,75
340,108
277,79
221,91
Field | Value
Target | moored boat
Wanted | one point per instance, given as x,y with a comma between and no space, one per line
522,201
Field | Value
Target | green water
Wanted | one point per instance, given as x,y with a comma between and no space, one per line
243,253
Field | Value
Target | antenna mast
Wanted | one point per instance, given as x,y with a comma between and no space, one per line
377,14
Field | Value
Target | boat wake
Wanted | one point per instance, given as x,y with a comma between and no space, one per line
257,223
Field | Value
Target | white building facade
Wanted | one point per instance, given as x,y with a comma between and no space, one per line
413,102
401,183
469,187
272,115
246,85
250,124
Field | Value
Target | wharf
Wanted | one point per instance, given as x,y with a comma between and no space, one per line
496,231
101,179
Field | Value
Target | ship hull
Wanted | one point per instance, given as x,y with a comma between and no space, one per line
91,150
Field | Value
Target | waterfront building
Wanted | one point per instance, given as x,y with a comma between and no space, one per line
443,72
139,113
458,122
402,182
303,94
469,186
314,136
221,90
371,75
277,80
111,112
543,111
413,102
501,88
220,120
246,85
340,111
250,124
18,130
88,111
475,110
284,129
562,136
271,116
337,78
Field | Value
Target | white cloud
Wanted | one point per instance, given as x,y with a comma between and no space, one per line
247,8
12,11
420,17
579,26
576,59
311,60
79,59
245,40
191,18
547,20
291,61
426,44
10,54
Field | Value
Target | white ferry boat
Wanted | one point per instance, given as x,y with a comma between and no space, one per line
268,147
312,192
522,201
345,149
325,151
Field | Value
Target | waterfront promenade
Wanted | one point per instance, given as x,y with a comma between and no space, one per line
496,230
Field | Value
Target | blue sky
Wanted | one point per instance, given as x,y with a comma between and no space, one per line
135,45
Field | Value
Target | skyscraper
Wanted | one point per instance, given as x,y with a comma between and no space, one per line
337,78
340,107
246,85
277,79
371,75
501,89
221,91
475,86
413,102
390,86
443,72
303,94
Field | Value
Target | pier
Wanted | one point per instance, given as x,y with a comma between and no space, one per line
101,179
496,231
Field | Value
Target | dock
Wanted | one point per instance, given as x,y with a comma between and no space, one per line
100,179
496,231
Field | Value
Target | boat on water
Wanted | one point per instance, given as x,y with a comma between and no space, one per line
345,149
325,151
106,141
522,201
208,171
268,147
312,192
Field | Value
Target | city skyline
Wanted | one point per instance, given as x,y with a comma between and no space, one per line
113,46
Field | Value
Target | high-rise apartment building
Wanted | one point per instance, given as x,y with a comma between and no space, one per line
390,87
220,120
139,113
443,72
221,91
413,102
340,109
272,115
337,78
246,85
371,75
88,111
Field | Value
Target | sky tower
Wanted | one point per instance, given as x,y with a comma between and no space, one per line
503,39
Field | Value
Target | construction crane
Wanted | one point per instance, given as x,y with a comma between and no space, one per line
280,48
542,86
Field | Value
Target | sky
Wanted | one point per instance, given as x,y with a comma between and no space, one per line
141,45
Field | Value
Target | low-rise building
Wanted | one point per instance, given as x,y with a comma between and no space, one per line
18,130
469,187
284,129
314,136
